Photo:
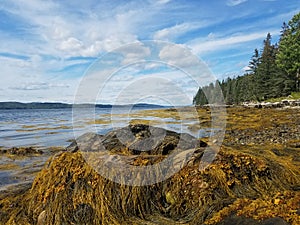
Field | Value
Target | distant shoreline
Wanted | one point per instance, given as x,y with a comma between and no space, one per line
57,105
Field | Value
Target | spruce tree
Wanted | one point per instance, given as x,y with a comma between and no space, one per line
288,57
266,69
254,63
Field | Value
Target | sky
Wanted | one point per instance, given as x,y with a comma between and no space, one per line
54,51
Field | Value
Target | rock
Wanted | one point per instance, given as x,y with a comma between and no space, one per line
22,151
137,139
284,103
274,221
71,191
89,141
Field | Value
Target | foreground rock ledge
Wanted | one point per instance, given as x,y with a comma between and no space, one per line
237,188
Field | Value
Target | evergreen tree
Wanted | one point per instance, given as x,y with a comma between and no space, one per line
273,73
229,91
254,63
200,98
288,57
284,30
266,69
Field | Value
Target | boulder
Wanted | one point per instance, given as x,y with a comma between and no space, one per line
136,139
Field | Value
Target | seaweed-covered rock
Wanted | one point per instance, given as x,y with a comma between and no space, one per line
137,139
87,140
70,191
238,220
22,151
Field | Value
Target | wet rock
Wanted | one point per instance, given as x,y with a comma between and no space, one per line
22,151
90,141
137,139
268,105
277,133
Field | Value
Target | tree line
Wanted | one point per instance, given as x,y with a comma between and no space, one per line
273,72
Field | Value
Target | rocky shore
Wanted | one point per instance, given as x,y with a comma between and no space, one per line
279,104
254,178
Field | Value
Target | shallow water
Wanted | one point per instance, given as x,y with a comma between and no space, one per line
54,127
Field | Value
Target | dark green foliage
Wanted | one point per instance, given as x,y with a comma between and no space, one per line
255,60
288,57
200,98
210,94
266,71
273,72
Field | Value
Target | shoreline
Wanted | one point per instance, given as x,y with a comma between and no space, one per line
262,143
274,130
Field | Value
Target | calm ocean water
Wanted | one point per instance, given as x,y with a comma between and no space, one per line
54,127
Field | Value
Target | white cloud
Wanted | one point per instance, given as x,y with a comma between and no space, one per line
178,56
246,68
235,2
71,44
173,32
48,33
165,86
201,46
134,52
60,32
39,86
163,1
31,86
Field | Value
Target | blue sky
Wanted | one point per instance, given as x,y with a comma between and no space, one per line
47,46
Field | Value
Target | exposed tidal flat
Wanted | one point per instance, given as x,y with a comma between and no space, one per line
254,178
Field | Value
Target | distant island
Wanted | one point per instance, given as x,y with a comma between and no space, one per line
57,105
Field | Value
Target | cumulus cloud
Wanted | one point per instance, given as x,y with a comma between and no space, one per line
134,52
71,44
178,56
